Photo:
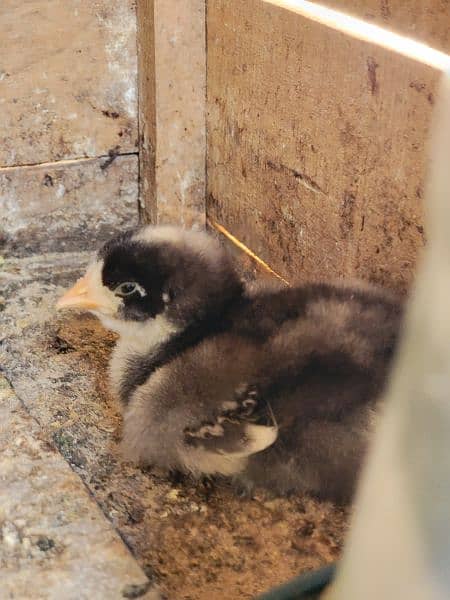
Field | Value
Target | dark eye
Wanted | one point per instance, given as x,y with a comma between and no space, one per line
126,289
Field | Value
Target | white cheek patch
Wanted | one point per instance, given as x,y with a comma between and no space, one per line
141,290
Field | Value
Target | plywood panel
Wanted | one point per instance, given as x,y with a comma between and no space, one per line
316,144
67,79
68,206
426,21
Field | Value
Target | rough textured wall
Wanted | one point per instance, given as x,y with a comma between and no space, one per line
316,144
67,207
67,92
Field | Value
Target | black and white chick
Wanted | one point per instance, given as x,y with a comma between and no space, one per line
276,387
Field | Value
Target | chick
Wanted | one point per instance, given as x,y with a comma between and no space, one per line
272,387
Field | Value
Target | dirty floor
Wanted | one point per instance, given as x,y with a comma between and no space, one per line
197,541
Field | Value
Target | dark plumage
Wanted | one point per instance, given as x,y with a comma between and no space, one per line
275,387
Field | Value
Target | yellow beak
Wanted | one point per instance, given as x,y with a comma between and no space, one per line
89,294
78,296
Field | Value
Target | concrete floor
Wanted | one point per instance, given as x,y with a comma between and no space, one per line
77,521
55,540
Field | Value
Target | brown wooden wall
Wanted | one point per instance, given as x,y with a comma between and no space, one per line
317,141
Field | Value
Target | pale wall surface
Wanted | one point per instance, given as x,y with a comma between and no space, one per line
67,79
68,91
67,206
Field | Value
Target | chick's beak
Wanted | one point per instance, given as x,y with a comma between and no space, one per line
78,296
88,294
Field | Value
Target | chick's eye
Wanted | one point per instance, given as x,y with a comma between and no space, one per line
126,289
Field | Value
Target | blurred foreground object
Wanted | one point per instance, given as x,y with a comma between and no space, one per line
399,544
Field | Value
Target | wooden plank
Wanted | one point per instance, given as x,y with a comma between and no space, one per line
68,206
316,144
172,110
67,80
147,109
424,20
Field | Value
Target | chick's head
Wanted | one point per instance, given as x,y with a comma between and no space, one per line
182,275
